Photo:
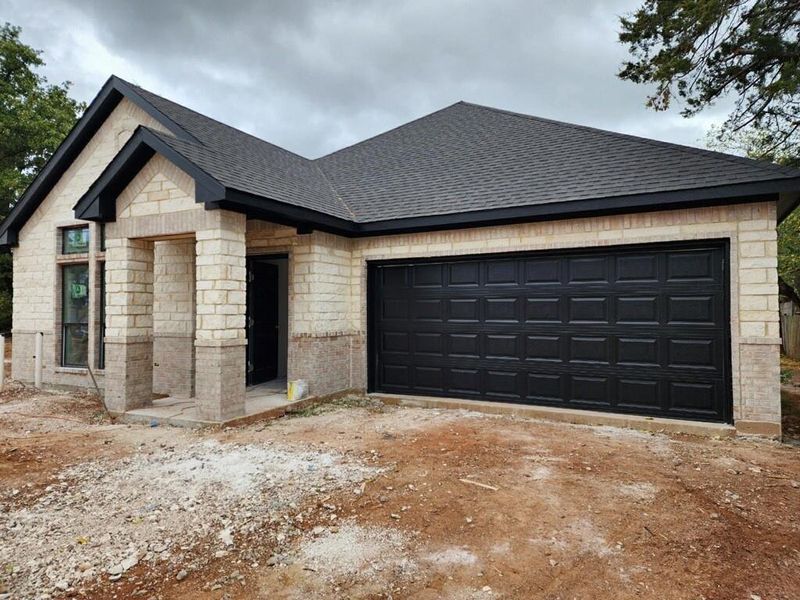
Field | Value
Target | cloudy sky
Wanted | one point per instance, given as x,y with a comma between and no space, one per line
314,76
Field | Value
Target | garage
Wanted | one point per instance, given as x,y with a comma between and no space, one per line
630,329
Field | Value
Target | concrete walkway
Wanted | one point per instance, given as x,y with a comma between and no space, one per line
264,401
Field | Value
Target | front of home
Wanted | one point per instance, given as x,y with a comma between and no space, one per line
473,254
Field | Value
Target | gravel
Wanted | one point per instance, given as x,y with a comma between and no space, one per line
103,518
355,551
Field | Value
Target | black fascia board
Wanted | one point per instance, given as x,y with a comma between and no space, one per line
99,202
692,198
285,214
92,119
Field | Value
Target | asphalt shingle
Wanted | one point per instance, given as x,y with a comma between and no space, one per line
462,158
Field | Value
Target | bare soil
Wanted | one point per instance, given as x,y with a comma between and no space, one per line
434,504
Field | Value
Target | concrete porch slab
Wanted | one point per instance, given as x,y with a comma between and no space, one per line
261,402
566,415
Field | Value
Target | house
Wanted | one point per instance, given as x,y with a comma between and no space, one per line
473,253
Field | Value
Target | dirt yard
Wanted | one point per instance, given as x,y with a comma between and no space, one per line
358,500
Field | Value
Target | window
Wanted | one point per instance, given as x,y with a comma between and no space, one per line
101,344
75,240
75,315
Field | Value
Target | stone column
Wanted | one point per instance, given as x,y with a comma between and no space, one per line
129,324
220,337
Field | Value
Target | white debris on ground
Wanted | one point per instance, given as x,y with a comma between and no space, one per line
453,556
103,518
643,491
351,550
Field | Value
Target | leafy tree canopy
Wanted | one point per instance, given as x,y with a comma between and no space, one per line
35,116
700,51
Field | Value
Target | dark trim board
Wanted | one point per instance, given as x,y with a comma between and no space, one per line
99,202
720,332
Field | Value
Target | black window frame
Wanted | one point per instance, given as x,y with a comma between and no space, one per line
65,324
101,325
64,235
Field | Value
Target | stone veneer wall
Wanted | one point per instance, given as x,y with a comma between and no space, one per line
36,272
174,317
324,324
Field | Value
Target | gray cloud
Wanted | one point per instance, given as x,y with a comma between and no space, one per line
316,76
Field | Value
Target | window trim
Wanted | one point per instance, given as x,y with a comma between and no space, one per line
64,324
63,249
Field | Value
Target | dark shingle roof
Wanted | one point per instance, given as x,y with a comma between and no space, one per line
463,165
469,157
241,161
465,157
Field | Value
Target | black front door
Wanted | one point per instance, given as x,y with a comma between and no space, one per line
262,321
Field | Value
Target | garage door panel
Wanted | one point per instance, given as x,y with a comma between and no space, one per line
543,310
545,388
592,391
464,345
543,348
588,310
428,309
694,266
637,268
694,354
395,375
427,276
502,346
695,309
586,270
395,341
589,349
502,273
464,310
692,397
642,330
464,381
639,394
394,308
431,344
502,383
504,310
464,275
428,378
542,272
637,310
638,351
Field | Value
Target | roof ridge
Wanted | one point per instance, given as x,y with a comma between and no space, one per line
390,130
767,166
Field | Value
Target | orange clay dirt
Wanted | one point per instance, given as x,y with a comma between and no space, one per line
443,504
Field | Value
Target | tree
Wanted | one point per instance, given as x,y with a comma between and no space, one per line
700,51
35,117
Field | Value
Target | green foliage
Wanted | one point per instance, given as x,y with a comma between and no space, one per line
759,146
700,51
789,250
35,117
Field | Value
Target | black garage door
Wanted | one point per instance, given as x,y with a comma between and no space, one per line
631,329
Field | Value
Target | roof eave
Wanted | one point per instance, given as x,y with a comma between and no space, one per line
763,191
99,201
